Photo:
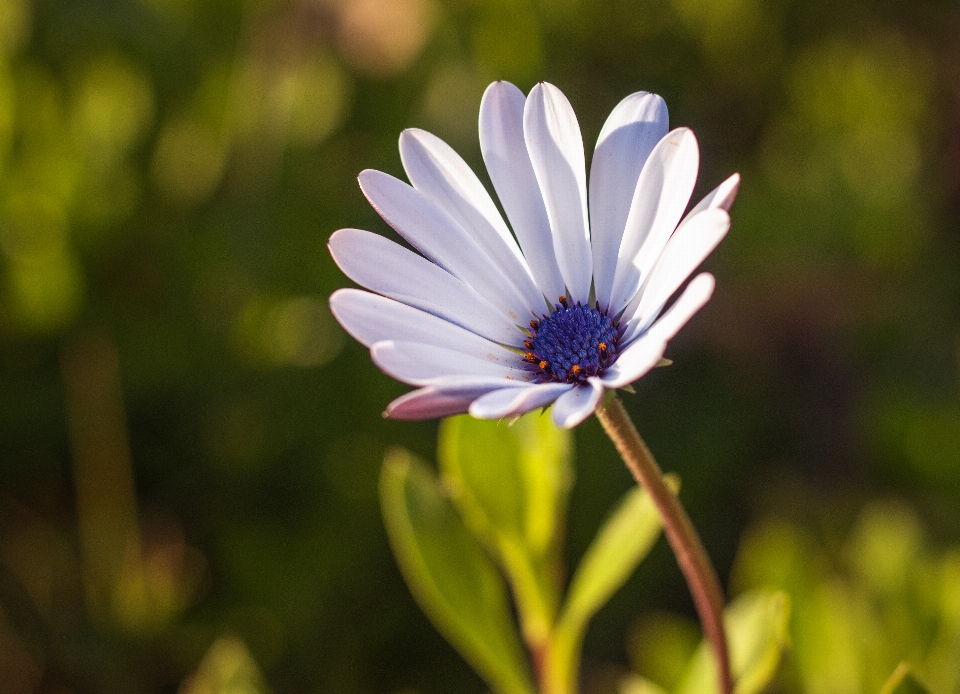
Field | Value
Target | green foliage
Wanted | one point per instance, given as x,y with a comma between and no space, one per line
757,631
227,668
621,544
452,578
510,486
864,598
635,684
756,625
510,481
902,681
623,541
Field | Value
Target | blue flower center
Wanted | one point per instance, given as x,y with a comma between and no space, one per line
572,344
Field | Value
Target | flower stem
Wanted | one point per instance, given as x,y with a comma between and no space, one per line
683,538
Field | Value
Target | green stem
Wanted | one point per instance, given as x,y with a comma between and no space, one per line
535,598
683,538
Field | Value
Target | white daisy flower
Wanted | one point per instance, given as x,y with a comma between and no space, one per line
571,302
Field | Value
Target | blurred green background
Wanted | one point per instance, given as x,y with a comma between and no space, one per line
190,445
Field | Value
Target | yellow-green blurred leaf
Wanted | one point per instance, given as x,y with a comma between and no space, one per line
112,108
510,483
885,546
757,632
634,684
508,480
660,645
902,681
15,23
227,668
449,573
624,540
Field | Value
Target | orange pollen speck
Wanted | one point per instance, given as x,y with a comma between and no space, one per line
543,365
528,344
602,346
529,357
575,368
534,324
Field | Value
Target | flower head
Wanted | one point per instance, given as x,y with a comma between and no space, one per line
571,302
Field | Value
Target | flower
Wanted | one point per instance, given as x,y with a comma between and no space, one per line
496,323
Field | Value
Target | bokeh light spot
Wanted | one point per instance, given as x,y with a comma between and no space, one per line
298,331
112,108
187,162
15,21
382,37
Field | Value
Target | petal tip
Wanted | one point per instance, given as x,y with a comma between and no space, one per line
682,135
705,279
732,188
413,134
334,299
498,89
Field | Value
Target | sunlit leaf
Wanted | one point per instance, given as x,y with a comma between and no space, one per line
634,684
227,668
902,681
757,631
660,645
449,573
510,483
508,480
624,540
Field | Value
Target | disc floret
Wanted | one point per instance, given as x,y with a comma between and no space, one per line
573,343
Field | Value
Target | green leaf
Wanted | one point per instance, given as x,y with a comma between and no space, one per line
508,480
511,484
227,668
624,540
634,684
757,633
661,644
449,574
902,681
621,544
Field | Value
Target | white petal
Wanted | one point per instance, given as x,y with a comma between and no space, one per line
419,364
440,399
429,403
508,163
577,404
662,193
632,130
697,293
556,152
687,248
432,402
387,268
438,172
442,240
721,197
509,402
637,359
371,318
